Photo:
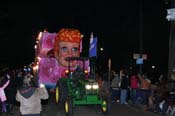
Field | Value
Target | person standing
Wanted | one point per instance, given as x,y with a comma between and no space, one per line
115,88
4,81
124,87
144,89
134,85
10,91
30,97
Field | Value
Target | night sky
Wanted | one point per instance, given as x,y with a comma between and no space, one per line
119,25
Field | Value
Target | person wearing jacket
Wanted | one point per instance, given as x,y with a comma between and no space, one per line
124,87
30,97
4,81
10,92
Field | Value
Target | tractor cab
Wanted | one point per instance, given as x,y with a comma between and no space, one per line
80,71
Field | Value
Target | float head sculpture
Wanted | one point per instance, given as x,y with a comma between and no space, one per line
67,44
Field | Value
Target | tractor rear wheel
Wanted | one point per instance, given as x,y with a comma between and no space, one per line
61,92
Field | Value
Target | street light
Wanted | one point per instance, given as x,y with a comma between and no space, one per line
101,49
171,61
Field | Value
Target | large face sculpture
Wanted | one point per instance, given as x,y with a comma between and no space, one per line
67,44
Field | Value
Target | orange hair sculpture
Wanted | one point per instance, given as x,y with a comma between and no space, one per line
67,35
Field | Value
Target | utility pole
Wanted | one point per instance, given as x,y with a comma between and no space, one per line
140,33
171,60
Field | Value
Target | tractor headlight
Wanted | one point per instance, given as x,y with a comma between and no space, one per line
95,86
88,87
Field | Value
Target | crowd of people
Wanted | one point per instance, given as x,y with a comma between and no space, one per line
138,89
18,88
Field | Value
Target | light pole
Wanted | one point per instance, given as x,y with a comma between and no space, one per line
171,60
140,33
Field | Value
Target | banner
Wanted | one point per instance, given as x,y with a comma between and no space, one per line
93,46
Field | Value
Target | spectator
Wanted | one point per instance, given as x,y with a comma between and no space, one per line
4,81
134,85
30,97
162,105
105,89
124,87
115,87
10,92
144,89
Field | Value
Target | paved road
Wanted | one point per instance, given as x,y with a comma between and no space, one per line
51,109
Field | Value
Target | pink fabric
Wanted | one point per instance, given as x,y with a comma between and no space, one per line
134,82
2,93
46,43
50,72
47,71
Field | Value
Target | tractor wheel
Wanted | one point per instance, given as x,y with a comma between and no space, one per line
61,92
57,92
68,107
105,107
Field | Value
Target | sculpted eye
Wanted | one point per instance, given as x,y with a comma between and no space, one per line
64,49
75,49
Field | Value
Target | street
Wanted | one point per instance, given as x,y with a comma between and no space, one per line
52,109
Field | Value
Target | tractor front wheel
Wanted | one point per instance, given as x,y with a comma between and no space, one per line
105,107
68,107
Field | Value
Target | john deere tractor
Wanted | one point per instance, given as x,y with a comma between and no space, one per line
79,88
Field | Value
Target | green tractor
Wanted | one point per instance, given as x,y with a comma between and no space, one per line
78,88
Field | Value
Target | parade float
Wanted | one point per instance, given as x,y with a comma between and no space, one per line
71,87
